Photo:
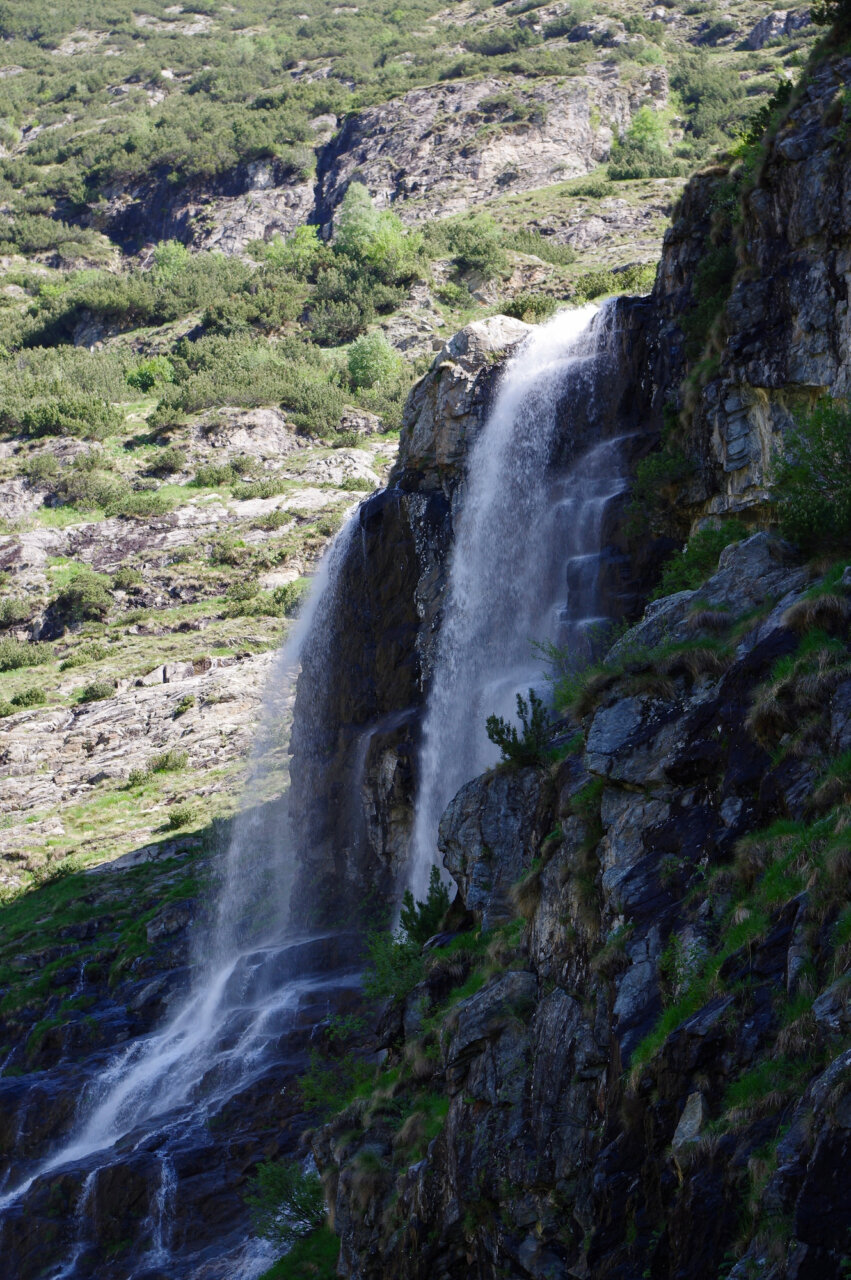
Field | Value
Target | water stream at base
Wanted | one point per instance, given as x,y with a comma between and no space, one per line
526,564
526,561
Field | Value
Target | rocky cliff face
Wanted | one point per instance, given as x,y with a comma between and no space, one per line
781,336
355,742
636,1035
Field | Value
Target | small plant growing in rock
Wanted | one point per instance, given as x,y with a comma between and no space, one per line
168,761
286,1203
528,747
184,705
126,579
85,599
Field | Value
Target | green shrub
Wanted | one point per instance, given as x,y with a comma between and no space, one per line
372,360
457,296
545,247
636,278
314,1256
27,698
126,578
85,599
140,504
151,372
531,307
14,610
171,761
476,245
699,558
97,690
643,152
185,704
420,921
215,474
41,469
167,461
395,963
180,815
65,415
528,747
286,1203
91,651
812,482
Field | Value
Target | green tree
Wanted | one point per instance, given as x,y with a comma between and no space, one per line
286,1203
528,747
372,361
420,921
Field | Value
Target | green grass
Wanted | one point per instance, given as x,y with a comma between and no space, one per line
314,1257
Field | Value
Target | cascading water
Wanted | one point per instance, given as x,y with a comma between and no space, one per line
526,559
157,1096
526,564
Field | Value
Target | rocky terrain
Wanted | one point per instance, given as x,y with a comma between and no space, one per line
628,1052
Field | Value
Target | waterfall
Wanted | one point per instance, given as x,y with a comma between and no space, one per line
526,560
250,981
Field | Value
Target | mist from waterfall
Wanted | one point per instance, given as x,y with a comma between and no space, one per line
525,560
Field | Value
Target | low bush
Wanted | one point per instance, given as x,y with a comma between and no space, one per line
812,481
151,373
698,559
15,654
395,959
372,360
181,815
126,578
171,761
636,278
14,610
26,698
167,461
531,307
313,1256
97,690
86,598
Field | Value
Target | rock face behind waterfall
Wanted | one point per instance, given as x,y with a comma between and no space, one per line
654,1080
354,742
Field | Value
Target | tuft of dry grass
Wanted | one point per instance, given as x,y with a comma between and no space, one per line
830,613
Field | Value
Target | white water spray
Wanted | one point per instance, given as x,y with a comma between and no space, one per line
521,538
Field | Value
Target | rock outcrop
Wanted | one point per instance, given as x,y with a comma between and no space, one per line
781,338
635,1034
580,1139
